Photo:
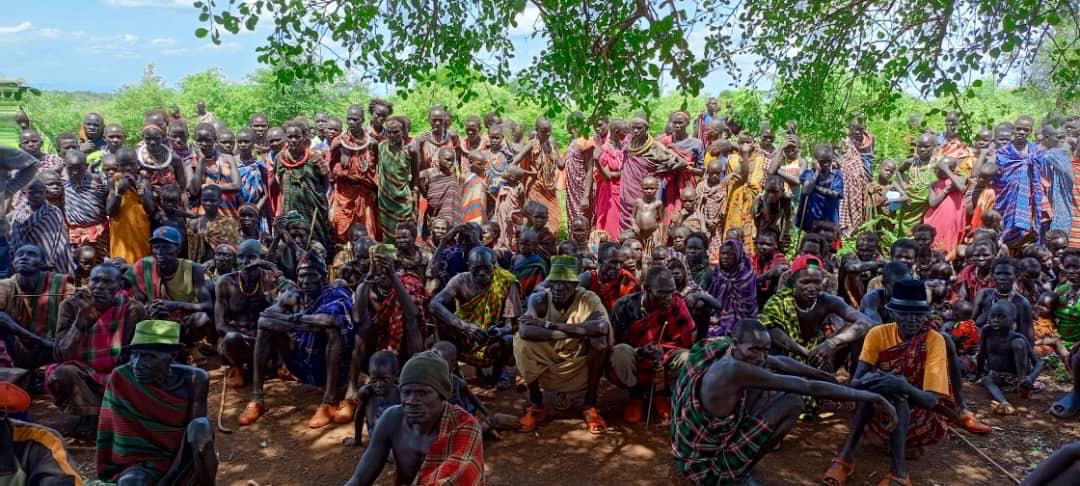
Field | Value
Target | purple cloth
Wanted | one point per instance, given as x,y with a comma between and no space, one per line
735,290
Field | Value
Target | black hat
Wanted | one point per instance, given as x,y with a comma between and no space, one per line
908,296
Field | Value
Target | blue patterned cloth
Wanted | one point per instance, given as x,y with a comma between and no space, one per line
308,358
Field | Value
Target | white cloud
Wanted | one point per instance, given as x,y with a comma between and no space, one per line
50,33
527,21
121,46
191,51
163,41
15,29
150,3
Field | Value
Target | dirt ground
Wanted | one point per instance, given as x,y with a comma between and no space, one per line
281,450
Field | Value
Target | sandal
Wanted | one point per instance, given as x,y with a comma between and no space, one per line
1002,408
891,479
1066,408
838,473
594,421
532,418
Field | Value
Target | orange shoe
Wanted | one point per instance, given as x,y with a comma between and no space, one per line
252,412
594,421
345,411
323,416
662,405
634,411
971,424
532,418
234,378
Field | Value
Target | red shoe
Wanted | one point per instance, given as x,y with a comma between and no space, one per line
662,405
634,411
323,416
971,424
532,418
345,411
252,412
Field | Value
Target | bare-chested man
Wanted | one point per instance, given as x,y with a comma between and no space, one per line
240,297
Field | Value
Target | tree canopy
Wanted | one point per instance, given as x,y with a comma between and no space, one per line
598,53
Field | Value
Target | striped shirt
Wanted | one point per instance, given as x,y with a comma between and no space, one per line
84,201
46,229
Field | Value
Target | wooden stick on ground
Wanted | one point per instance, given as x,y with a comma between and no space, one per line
984,456
652,388
224,394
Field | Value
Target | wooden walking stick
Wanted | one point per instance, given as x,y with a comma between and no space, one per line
652,388
224,394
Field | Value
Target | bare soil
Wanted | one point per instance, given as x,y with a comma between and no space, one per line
281,450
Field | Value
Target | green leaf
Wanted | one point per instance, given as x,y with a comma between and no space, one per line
201,32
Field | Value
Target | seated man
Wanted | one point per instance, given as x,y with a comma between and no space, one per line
173,287
94,326
476,311
907,363
433,441
734,403
29,305
653,330
798,317
29,452
562,344
153,427
310,329
387,316
239,299
610,281
292,233
224,261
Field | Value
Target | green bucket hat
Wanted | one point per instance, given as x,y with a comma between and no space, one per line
156,334
564,268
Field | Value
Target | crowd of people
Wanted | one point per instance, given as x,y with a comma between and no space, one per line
703,271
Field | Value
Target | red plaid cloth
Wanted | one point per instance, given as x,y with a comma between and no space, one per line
457,455
390,320
611,292
643,327
909,360
102,344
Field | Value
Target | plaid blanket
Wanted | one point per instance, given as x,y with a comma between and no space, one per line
102,344
457,455
485,309
390,320
711,450
140,426
610,292
909,360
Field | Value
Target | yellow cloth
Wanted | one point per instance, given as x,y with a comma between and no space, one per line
560,365
130,230
741,197
936,371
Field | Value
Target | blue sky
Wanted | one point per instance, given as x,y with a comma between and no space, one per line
101,45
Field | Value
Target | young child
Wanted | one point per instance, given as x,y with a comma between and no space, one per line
86,258
490,238
690,216
981,196
629,254
380,393
529,267
1006,358
648,214
462,396
877,190
965,335
1047,339
1003,273
442,189
712,197
508,206
536,219
579,236
172,211
212,228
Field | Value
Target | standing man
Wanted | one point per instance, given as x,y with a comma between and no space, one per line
702,122
429,143
203,115
85,195
398,175
380,110
353,162
91,134
1021,199
562,344
542,158
304,177
856,162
